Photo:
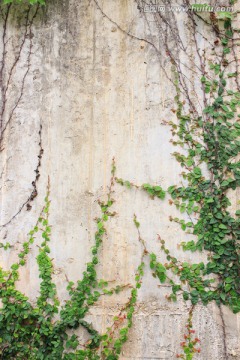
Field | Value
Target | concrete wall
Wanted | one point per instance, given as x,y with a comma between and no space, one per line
98,93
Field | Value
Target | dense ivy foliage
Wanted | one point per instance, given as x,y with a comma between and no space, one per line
30,332
31,2
48,329
216,146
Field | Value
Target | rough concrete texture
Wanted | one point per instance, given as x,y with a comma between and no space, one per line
99,93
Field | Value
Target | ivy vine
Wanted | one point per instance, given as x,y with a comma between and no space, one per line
210,141
31,2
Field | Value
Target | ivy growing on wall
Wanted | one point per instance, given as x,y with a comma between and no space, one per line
31,2
210,140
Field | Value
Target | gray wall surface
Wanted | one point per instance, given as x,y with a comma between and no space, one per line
95,93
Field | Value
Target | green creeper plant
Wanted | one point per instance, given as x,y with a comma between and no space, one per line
190,345
31,2
210,140
30,331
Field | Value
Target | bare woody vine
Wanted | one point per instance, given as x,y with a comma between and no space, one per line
207,131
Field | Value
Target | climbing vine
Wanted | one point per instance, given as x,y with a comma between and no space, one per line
190,345
31,2
211,139
210,144
32,332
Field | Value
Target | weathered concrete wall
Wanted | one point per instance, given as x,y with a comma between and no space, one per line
99,93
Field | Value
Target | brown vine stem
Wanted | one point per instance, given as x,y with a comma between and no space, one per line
4,43
134,37
175,60
29,34
4,90
237,66
224,333
179,46
122,30
140,239
34,192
